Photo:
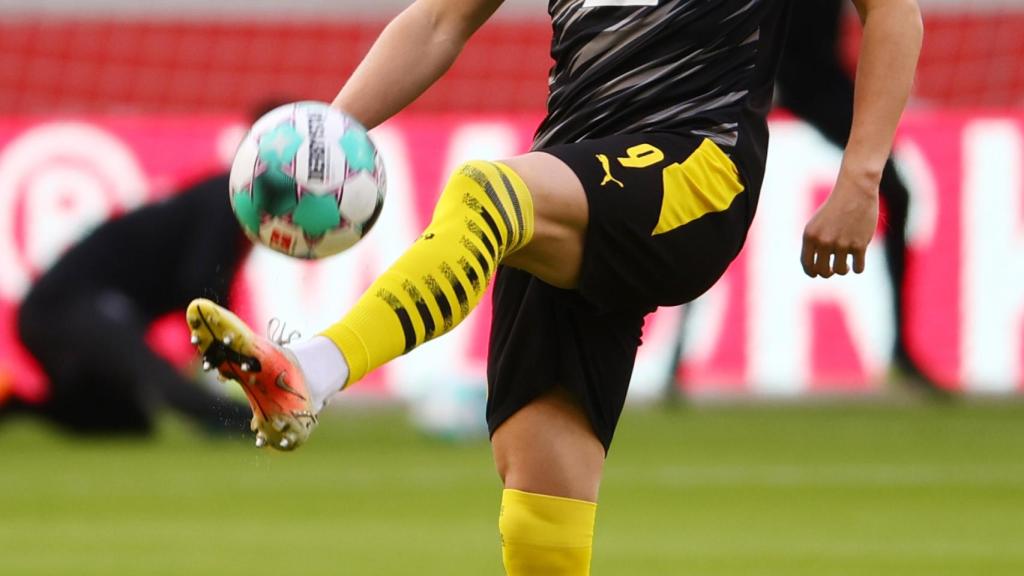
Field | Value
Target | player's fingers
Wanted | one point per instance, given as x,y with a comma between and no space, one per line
839,264
823,262
858,260
807,257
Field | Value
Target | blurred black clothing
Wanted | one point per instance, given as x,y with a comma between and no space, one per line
85,320
162,255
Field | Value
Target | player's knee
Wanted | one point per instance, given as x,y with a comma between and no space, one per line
492,199
501,464
473,177
486,169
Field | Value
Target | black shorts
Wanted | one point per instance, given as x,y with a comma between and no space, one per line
668,213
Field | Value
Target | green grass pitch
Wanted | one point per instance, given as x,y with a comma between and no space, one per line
750,490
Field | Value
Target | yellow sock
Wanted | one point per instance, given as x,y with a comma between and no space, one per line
545,535
484,214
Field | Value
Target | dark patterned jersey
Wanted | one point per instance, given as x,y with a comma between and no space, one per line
704,67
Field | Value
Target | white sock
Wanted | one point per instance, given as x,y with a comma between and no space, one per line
324,367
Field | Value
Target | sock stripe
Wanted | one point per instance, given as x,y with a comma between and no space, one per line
478,208
460,291
481,180
490,223
403,317
426,316
485,264
479,233
441,300
493,227
514,197
471,275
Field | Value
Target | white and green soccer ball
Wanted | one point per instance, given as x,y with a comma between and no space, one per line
307,181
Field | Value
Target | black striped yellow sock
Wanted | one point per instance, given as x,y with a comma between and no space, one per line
484,214
545,535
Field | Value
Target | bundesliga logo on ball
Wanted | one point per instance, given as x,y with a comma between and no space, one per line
307,181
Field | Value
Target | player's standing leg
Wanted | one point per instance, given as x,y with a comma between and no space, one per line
551,464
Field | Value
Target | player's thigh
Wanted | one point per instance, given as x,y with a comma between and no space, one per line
555,252
548,447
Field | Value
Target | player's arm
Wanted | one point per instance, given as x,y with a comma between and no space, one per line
412,52
845,223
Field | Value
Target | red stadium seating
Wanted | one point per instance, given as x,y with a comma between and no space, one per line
98,65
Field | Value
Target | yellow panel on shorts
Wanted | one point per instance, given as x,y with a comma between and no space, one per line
705,182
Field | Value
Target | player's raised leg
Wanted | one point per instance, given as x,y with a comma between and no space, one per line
486,215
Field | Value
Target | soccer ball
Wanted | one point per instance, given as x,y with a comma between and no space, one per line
307,181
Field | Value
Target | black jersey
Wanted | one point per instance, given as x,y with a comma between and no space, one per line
704,67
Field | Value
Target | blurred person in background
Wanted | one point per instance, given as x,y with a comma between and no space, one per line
813,85
85,320
638,192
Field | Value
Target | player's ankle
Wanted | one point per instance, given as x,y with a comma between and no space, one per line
323,366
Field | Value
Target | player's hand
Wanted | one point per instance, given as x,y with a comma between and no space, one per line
842,227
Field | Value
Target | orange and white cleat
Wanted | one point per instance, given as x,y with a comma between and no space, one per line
282,410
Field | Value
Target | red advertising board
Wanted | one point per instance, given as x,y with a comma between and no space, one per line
764,329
